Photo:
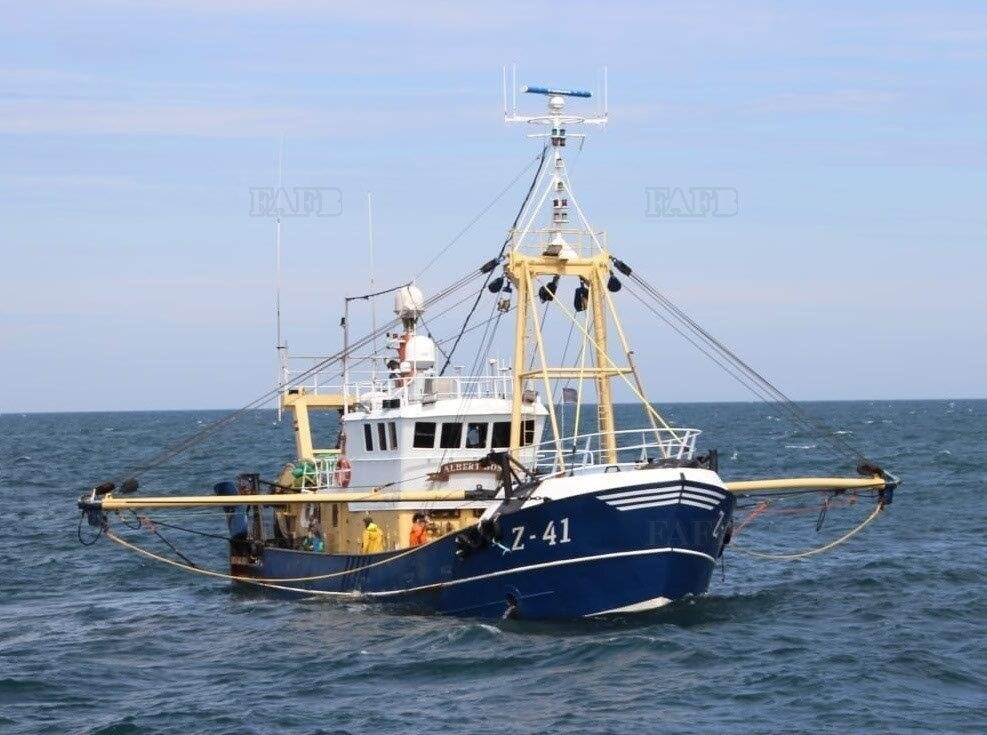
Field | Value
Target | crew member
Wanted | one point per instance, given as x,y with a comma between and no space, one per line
311,542
418,534
373,537
315,527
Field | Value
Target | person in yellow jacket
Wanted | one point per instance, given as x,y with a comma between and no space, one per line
373,537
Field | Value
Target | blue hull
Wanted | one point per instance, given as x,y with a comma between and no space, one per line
562,559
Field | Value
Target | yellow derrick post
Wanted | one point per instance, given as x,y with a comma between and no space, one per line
521,286
303,431
298,401
556,434
604,397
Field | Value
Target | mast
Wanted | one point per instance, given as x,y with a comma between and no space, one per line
555,257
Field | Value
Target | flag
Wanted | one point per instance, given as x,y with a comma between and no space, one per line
569,395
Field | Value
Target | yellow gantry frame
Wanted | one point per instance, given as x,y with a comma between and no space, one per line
298,401
522,270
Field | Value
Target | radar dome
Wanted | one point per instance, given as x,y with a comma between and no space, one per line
409,303
420,352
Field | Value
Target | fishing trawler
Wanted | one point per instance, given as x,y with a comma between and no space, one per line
511,517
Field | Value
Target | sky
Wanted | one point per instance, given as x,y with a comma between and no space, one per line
850,139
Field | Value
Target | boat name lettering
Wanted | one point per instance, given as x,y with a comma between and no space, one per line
453,468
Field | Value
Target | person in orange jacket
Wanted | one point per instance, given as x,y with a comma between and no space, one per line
418,532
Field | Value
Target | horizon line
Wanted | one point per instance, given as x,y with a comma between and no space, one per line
620,403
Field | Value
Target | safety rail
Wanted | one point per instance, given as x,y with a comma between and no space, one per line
634,447
317,473
583,242
376,387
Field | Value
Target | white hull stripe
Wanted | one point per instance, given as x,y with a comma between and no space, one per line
490,575
653,604
711,502
643,499
635,493
638,499
702,491
694,504
660,503
663,496
638,495
630,495
646,503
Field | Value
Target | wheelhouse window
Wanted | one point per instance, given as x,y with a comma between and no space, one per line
501,434
368,437
452,436
501,438
527,432
393,433
382,437
476,435
424,435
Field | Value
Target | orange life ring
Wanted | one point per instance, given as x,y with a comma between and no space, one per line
343,472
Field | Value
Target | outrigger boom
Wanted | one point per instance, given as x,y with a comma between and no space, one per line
737,487
110,503
790,484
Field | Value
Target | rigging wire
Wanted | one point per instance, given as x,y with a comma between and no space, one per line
485,344
486,209
177,448
197,437
475,326
706,352
773,393
503,247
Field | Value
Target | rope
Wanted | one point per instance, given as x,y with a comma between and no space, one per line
186,530
819,549
96,535
759,509
263,581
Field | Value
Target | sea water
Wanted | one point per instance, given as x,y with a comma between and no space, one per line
884,634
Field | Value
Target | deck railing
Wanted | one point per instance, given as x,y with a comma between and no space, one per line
634,447
418,388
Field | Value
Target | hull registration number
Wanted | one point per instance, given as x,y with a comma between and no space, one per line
554,533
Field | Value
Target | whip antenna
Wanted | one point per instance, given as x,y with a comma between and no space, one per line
373,305
280,346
